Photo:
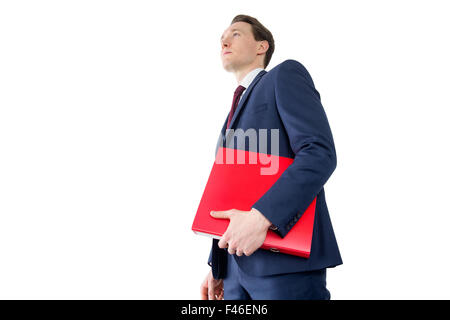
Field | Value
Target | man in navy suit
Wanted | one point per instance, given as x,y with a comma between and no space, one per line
283,99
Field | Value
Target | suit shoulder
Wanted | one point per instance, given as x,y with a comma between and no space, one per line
290,64
290,67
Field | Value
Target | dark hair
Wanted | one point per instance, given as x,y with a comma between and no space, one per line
260,33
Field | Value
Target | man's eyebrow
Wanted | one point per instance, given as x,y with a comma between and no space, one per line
235,29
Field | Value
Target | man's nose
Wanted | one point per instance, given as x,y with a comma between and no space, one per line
225,43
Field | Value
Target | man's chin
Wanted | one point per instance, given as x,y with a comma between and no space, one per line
228,67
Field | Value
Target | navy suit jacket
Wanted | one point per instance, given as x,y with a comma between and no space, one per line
285,99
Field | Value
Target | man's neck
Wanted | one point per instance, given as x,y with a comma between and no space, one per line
240,74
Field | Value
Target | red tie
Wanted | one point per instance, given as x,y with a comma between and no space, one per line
237,94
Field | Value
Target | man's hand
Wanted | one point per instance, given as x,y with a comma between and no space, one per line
211,289
246,232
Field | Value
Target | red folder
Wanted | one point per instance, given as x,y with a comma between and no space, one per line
238,185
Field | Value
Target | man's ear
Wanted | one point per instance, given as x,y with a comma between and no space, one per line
263,46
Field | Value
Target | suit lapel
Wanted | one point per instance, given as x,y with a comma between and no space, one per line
245,96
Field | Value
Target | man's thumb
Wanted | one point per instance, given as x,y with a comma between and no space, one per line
220,214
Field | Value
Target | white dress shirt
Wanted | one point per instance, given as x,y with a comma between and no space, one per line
248,79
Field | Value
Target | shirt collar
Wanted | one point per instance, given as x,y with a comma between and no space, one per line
248,79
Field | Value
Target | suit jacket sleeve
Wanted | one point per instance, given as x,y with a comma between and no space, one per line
304,119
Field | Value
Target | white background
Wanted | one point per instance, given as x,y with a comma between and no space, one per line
109,115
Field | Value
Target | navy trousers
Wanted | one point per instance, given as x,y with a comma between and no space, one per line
308,285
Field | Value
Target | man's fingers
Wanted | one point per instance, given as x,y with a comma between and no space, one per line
204,289
221,214
248,252
211,295
222,243
203,293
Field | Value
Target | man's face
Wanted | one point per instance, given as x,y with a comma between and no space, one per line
239,47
